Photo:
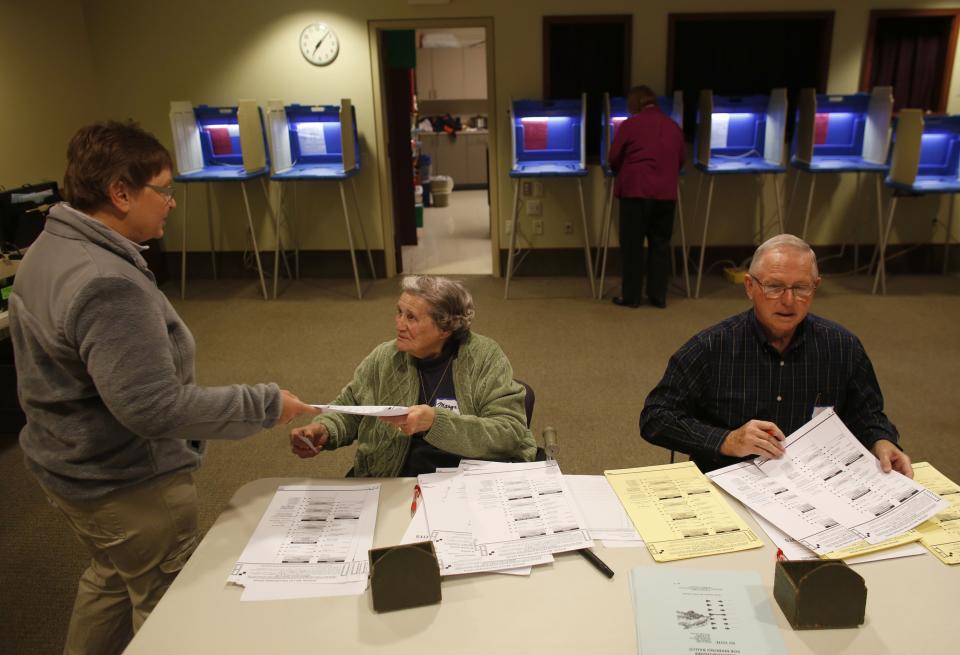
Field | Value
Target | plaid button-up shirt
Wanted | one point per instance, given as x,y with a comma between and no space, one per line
730,374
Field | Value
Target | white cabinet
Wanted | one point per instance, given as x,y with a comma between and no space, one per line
452,73
463,157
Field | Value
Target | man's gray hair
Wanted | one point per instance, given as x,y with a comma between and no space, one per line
451,305
780,242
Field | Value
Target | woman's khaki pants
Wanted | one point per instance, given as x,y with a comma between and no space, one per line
138,539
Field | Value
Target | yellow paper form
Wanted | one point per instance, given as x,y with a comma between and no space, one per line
941,534
679,513
864,547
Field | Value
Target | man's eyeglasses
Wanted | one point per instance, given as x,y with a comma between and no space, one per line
774,291
165,191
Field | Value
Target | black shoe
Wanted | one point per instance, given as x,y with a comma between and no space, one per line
618,300
661,304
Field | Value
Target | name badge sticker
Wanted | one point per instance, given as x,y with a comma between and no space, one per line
448,403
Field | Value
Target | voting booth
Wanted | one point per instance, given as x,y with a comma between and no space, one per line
613,113
925,161
317,143
841,134
547,140
219,145
739,135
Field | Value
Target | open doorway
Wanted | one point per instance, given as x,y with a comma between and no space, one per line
438,126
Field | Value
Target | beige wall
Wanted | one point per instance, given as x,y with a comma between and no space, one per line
145,55
47,85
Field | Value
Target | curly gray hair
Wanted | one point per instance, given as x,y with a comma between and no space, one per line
451,305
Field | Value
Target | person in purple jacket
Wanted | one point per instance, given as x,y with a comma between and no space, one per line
647,155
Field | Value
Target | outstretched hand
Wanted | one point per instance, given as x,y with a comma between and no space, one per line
419,418
892,458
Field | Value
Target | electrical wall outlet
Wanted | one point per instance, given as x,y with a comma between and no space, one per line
568,228
538,226
536,189
526,188
509,227
534,208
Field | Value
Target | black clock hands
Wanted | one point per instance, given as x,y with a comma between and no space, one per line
320,42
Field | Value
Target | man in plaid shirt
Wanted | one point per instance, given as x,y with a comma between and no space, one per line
736,389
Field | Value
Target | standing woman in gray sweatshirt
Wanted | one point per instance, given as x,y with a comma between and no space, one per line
115,420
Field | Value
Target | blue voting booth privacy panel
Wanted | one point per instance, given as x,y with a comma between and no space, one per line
315,134
940,147
547,132
839,125
219,135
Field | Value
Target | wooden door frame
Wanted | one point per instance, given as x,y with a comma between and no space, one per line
866,67
374,27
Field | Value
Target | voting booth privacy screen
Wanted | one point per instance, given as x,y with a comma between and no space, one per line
843,132
313,140
741,134
926,153
548,137
218,142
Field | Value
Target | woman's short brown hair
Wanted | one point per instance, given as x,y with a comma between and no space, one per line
100,154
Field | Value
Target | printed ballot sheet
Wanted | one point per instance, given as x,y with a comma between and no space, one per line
603,514
941,534
679,513
365,410
450,528
702,612
522,509
311,541
824,464
859,553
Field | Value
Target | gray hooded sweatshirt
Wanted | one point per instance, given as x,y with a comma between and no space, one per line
105,367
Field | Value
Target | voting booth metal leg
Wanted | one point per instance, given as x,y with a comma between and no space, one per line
253,237
683,241
513,236
946,239
183,244
353,253
294,231
363,234
703,242
607,229
806,215
586,239
881,276
879,195
793,192
213,245
781,219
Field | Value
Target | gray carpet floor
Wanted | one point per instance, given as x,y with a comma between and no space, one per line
591,365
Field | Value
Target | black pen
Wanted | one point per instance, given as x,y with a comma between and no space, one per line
591,557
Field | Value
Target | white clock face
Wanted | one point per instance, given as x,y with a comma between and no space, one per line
319,44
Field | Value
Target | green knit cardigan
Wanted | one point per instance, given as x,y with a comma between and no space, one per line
492,422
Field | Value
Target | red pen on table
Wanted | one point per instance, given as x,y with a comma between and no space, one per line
416,494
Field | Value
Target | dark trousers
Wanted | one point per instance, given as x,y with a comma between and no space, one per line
644,218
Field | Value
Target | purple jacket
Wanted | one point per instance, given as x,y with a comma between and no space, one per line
647,154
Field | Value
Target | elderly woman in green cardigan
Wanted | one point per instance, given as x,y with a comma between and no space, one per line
463,401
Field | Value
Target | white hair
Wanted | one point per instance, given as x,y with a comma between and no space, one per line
783,242
451,305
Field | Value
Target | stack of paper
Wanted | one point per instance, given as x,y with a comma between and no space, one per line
312,541
941,534
603,514
679,513
829,493
488,516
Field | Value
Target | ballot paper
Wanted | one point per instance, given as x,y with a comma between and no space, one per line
903,546
679,513
365,410
448,520
700,612
522,509
941,534
831,470
601,510
311,541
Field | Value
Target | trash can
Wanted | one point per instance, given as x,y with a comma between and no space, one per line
442,185
425,168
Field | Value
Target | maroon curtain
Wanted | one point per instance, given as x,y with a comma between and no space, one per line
910,55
